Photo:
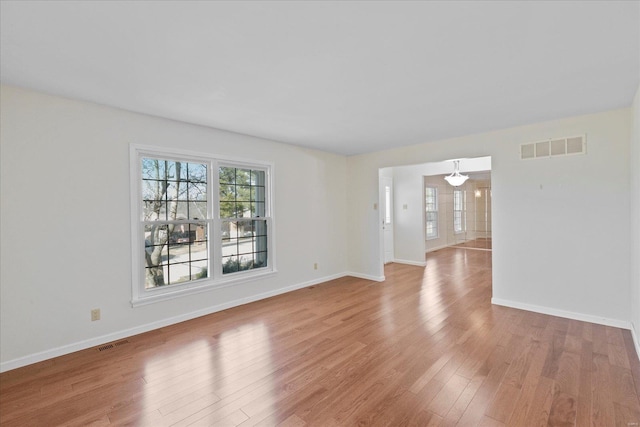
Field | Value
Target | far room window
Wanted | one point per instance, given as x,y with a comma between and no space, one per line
459,211
387,204
199,222
431,208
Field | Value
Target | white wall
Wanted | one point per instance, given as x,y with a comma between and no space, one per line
65,222
635,219
570,215
408,209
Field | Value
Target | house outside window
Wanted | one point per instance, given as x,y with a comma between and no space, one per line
431,212
199,222
174,221
243,219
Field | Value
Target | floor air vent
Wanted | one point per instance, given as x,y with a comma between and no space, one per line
112,345
554,147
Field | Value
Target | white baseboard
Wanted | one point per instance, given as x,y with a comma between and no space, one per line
366,276
436,248
616,323
636,339
409,262
93,342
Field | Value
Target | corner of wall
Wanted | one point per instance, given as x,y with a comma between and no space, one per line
634,252
636,338
599,320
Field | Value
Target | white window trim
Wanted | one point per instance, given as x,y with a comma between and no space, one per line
437,212
462,210
140,295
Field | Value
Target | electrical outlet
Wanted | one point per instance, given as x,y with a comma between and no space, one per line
95,314
315,265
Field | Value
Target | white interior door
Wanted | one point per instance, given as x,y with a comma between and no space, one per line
387,217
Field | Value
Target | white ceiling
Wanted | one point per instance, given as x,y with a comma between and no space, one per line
345,77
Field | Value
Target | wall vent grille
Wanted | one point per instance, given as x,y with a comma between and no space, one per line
554,147
112,345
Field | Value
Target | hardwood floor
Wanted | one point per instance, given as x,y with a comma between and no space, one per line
479,243
425,347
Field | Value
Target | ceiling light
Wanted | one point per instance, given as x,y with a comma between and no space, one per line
455,178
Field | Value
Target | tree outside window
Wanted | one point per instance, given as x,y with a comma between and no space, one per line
198,222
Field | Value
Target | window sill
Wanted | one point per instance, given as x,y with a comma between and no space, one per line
169,293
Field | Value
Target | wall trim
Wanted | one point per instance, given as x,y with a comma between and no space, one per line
366,276
616,323
636,339
436,248
93,342
409,262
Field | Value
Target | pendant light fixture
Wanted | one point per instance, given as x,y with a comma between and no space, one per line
455,178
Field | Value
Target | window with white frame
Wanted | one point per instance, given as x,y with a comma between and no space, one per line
431,214
459,211
243,218
198,222
387,204
174,221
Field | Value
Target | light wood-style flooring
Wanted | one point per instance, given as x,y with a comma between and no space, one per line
480,243
424,348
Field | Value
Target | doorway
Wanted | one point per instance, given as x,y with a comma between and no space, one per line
458,216
409,229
